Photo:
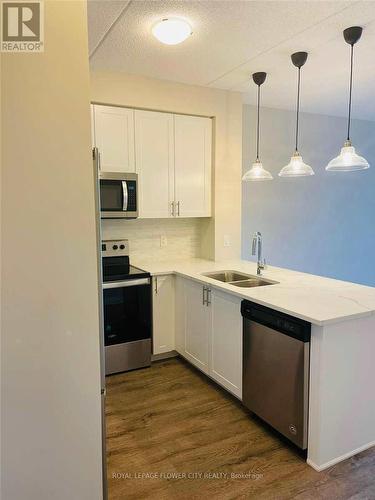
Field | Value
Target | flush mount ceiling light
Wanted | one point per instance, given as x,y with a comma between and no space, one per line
172,30
257,172
296,167
348,160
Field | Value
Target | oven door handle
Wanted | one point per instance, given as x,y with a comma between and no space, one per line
125,196
127,283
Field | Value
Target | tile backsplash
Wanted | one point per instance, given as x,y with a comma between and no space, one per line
182,237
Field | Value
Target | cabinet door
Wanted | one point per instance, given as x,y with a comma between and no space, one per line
114,138
163,314
193,137
180,315
226,341
197,326
154,163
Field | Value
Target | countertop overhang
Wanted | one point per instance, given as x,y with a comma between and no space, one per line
316,299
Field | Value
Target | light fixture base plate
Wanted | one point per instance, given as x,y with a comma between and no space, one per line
259,77
299,59
352,34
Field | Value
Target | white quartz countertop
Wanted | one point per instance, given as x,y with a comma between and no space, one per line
313,298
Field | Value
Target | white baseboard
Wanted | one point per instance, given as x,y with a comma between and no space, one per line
335,461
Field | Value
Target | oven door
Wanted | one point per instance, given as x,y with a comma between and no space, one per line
118,196
127,311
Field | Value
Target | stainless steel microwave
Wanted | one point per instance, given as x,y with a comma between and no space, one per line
118,195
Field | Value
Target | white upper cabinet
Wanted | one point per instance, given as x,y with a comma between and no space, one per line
172,155
193,159
154,148
226,341
114,138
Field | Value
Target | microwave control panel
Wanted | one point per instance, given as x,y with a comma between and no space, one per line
132,196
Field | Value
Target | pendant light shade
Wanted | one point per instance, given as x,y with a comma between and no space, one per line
348,160
297,167
257,172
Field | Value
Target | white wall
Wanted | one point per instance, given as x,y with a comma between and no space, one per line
322,224
226,109
50,406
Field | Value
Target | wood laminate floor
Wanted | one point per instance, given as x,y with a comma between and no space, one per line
173,434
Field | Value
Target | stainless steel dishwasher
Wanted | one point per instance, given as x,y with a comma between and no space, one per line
276,355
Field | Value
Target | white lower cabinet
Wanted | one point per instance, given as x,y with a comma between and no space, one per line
180,313
163,299
197,325
209,332
226,341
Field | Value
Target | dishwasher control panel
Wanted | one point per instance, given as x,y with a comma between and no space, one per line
295,327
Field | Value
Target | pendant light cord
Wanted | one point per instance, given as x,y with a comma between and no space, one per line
258,123
298,98
350,90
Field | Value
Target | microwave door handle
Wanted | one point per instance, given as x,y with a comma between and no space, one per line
125,196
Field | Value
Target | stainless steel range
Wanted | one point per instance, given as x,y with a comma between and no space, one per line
127,310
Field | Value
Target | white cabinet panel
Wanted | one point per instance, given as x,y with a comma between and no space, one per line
92,126
154,145
193,159
180,315
197,326
226,341
210,336
114,138
172,155
163,314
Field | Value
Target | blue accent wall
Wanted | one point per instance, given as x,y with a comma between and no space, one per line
324,224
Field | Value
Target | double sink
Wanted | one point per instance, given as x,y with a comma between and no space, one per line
239,279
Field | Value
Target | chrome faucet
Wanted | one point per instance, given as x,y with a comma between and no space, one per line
257,242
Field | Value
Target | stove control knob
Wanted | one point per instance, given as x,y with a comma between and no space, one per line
115,247
122,247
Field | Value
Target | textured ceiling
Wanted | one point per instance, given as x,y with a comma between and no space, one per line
232,39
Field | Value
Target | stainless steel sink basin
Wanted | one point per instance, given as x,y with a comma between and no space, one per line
227,276
239,279
253,282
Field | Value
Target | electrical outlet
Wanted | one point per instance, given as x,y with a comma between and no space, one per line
163,241
226,240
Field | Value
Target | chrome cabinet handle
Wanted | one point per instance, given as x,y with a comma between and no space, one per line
172,209
208,301
204,289
178,209
156,286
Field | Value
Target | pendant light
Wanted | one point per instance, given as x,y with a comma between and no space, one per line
348,160
257,172
296,167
